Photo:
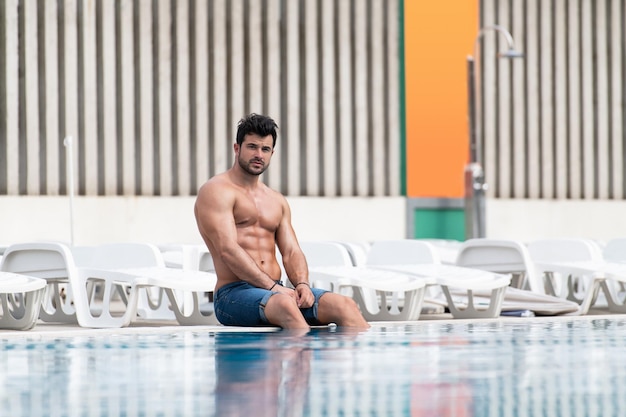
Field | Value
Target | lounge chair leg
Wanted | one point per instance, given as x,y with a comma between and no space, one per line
591,296
615,304
470,312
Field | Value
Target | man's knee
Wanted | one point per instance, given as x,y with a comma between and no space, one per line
281,307
349,304
338,303
282,301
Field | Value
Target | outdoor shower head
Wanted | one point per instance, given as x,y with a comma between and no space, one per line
511,54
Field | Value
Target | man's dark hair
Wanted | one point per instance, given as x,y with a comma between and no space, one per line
256,124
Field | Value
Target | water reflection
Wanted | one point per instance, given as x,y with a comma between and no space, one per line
261,374
550,368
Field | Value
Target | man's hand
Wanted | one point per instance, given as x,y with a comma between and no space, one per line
304,296
287,291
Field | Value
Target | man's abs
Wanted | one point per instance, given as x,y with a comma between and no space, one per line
226,276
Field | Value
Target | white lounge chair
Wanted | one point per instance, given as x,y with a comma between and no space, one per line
193,257
376,292
447,249
502,256
183,288
420,258
85,292
615,250
366,284
20,300
577,271
357,251
70,296
512,257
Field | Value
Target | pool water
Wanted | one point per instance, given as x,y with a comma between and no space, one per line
519,367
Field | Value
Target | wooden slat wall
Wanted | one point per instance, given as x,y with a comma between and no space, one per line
553,121
151,92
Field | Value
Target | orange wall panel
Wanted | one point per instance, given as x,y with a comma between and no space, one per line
439,35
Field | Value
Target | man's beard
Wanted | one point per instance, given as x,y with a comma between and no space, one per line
246,166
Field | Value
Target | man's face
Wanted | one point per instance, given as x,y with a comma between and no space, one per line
254,154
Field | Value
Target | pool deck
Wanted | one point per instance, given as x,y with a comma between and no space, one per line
52,330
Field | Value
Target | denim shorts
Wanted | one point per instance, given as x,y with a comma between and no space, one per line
242,304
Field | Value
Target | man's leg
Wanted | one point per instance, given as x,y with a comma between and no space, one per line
282,310
241,304
342,310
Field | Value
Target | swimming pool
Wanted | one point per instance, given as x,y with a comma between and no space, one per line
514,367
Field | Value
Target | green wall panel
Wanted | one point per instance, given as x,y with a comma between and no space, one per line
439,223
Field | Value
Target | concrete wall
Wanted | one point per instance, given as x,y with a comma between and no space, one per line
533,219
170,219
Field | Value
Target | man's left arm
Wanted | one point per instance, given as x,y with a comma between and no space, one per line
294,260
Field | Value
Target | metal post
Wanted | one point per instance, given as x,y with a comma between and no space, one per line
474,174
475,186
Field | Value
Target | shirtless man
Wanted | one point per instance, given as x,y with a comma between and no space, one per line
242,221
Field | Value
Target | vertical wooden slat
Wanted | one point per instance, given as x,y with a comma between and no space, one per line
574,95
109,90
182,97
587,98
531,61
311,115
547,109
31,84
503,180
601,91
12,96
146,96
222,139
518,146
344,64
202,91
617,98
393,100
90,99
256,71
361,108
52,98
329,90
292,135
70,51
273,81
165,96
237,59
560,97
128,105
377,127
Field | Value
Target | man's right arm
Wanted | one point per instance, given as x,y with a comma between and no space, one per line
214,215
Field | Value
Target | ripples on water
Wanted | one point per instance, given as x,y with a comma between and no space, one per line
486,368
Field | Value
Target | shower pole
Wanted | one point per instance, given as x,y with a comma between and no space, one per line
475,185
474,174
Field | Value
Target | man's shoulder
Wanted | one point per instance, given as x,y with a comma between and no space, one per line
218,185
218,181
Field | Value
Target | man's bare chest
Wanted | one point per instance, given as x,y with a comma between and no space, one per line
257,211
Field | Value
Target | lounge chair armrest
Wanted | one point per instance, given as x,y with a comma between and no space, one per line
497,281
175,279
15,283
